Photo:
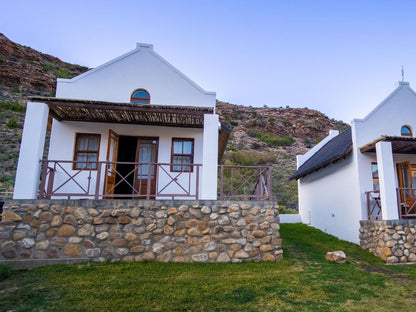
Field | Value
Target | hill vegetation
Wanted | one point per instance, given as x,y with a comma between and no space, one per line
260,135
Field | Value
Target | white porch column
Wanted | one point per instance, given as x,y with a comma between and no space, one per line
31,150
388,195
210,158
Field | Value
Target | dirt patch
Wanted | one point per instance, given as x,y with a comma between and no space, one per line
372,268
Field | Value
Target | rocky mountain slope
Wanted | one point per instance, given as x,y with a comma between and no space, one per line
260,135
25,71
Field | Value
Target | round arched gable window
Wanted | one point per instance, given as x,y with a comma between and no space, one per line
406,131
140,96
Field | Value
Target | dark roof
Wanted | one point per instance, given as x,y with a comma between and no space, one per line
333,150
399,144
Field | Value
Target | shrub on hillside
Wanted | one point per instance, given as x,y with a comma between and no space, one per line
12,106
271,139
12,124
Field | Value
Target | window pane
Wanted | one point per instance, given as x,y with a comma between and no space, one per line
406,131
177,147
142,171
82,142
141,94
186,160
176,168
187,147
145,154
374,170
93,143
92,157
81,157
177,159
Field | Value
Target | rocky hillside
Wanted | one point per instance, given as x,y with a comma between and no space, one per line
25,71
260,136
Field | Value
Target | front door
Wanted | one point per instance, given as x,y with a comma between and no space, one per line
146,170
407,195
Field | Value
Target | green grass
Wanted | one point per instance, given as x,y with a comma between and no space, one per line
303,281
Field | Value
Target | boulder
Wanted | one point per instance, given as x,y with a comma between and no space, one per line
336,256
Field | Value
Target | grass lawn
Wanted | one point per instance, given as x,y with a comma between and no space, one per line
303,281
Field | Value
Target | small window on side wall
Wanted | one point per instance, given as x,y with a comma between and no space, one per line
406,131
140,96
86,151
376,182
182,155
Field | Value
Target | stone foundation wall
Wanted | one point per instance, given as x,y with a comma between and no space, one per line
132,230
391,240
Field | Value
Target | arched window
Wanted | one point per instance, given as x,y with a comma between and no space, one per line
406,131
140,96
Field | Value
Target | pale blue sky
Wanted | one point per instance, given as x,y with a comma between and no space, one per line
340,57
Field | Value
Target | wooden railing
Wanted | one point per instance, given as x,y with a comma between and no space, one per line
157,180
59,179
245,182
406,202
373,205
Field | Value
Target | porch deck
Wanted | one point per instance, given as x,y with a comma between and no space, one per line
110,180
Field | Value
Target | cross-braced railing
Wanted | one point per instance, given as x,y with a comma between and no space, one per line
373,205
105,180
245,182
406,202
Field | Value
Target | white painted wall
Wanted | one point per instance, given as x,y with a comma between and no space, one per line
116,80
333,198
31,151
62,147
325,198
397,110
290,218
210,157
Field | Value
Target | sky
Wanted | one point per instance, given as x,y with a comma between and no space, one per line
339,57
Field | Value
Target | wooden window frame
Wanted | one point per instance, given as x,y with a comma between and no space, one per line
76,151
172,155
139,98
406,134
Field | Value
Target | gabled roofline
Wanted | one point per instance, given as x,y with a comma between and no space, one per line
402,84
335,149
139,47
301,159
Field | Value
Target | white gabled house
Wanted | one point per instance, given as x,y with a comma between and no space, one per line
367,172
134,127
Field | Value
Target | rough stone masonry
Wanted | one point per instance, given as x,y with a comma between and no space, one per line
38,232
394,241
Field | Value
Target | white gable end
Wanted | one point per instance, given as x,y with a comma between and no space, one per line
397,110
141,68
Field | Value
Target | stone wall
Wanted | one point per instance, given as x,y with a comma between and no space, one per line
391,240
48,231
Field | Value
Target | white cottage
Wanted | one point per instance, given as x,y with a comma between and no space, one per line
134,127
367,172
